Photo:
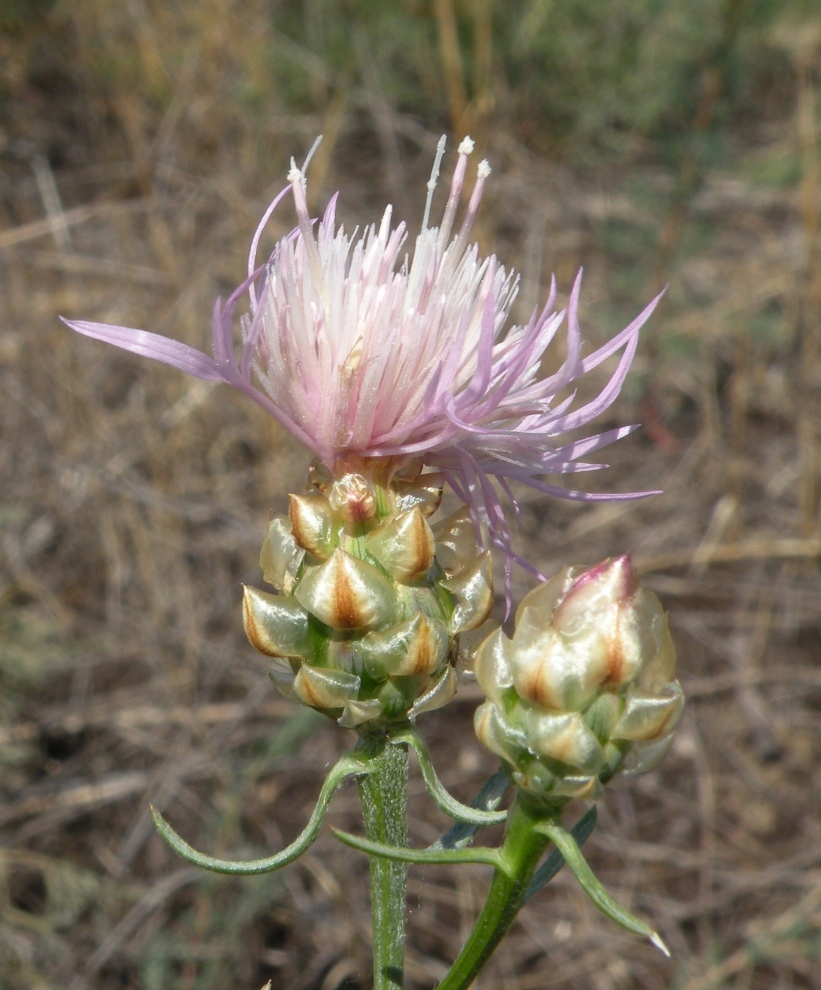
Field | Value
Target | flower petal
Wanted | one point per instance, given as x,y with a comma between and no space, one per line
151,345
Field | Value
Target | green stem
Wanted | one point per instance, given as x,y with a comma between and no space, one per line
384,797
521,852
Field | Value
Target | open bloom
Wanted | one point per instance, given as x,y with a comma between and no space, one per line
362,352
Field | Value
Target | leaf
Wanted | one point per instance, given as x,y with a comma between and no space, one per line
581,832
347,766
472,814
566,844
404,854
487,799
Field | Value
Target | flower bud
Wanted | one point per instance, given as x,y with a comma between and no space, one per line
585,687
352,498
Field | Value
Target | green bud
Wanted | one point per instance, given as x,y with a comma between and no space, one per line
585,688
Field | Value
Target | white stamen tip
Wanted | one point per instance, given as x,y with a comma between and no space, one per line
295,174
434,175
466,147
484,169
314,146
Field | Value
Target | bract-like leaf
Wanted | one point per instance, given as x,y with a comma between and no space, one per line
581,832
349,765
488,798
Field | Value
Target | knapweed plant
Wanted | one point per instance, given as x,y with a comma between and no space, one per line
402,375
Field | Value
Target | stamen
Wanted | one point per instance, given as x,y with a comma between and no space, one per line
482,172
457,182
385,226
434,176
297,180
307,161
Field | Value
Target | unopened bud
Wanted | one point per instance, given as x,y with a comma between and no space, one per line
585,687
352,497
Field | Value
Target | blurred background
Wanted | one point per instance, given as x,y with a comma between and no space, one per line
655,142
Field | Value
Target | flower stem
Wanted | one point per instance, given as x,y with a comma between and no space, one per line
522,849
384,797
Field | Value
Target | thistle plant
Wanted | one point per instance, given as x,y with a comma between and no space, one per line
402,376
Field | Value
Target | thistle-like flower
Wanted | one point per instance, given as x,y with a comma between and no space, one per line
585,688
366,355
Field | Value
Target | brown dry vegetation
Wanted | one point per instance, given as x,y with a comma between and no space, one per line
134,163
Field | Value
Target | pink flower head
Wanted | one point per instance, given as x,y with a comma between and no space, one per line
363,352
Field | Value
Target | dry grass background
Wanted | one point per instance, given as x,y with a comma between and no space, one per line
139,143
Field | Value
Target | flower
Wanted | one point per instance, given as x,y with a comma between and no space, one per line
363,353
585,688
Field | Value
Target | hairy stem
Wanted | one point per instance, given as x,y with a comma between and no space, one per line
521,851
384,797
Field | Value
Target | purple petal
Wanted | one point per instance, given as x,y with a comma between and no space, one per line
595,359
221,341
580,448
152,345
605,398
252,254
570,368
574,496
484,355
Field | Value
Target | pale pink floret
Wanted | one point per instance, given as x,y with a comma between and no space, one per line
360,351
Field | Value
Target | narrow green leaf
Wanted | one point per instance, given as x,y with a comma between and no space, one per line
581,832
485,855
347,766
469,814
568,847
487,799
